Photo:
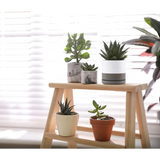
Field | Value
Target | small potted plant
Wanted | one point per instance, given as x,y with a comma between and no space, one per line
75,47
66,120
88,74
113,65
101,124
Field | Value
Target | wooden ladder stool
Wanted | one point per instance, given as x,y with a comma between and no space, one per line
134,104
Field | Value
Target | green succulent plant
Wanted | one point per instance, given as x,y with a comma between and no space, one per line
98,109
75,46
88,67
115,51
65,109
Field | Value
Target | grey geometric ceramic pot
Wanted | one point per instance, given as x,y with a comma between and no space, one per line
74,72
113,72
88,77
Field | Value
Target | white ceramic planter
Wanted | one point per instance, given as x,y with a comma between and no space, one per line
67,124
88,77
74,72
113,72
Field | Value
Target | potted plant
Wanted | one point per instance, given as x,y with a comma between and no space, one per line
75,47
101,124
88,74
66,120
113,65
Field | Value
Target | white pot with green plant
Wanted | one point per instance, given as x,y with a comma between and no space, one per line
88,74
75,47
113,65
66,120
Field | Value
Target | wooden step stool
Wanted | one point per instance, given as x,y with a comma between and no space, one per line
134,104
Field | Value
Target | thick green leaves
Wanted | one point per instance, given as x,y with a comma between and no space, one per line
97,109
95,104
85,55
75,46
154,24
67,59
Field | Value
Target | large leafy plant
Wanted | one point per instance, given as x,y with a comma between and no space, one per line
152,42
114,51
75,46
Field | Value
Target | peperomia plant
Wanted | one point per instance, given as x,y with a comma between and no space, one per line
75,46
97,110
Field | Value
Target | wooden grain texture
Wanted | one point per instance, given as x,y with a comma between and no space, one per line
130,120
51,124
86,140
125,87
141,118
134,100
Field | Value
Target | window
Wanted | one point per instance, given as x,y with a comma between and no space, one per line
32,55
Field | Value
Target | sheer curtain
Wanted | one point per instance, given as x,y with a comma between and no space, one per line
32,43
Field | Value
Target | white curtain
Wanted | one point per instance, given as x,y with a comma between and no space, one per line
32,43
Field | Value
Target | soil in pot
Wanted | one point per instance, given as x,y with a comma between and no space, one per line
102,129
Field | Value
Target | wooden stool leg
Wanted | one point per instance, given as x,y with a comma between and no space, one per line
68,93
130,120
72,144
141,118
51,124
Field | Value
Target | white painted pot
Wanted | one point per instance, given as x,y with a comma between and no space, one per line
67,124
88,77
74,72
113,71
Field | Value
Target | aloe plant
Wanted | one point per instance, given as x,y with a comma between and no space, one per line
65,109
115,51
75,46
151,41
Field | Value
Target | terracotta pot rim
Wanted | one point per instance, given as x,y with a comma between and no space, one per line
102,120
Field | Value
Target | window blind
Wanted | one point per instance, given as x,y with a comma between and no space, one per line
32,55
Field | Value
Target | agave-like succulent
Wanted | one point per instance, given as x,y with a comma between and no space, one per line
88,67
64,107
115,51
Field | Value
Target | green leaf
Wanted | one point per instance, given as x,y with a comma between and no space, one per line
145,31
156,49
103,107
94,111
67,59
74,36
85,55
148,21
95,104
154,24
73,57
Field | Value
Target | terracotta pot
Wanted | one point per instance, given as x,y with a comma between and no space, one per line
102,129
